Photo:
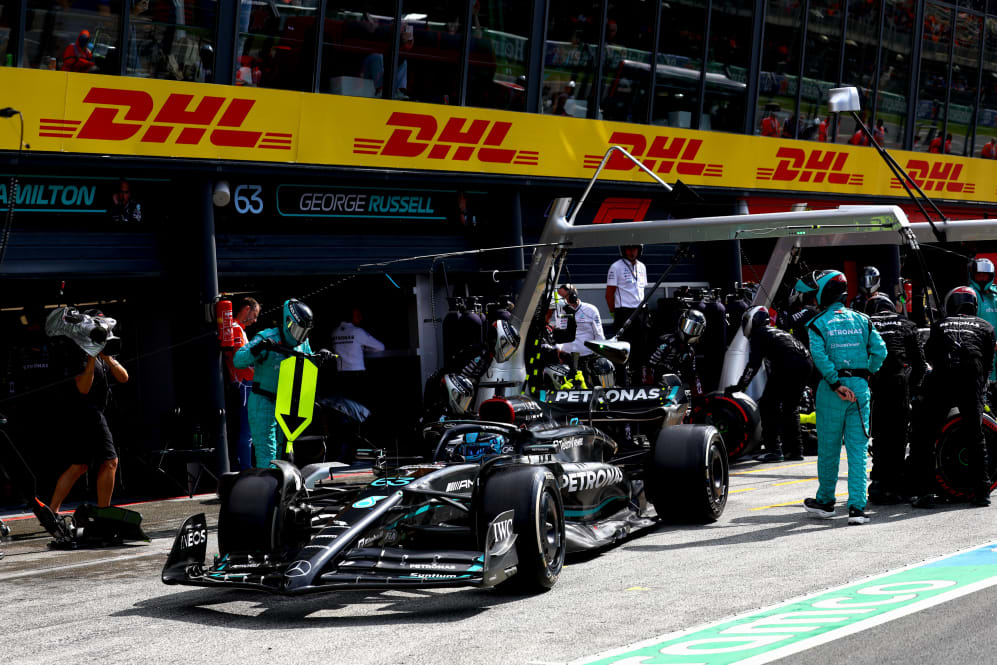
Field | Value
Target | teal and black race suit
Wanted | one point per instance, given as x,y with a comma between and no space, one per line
262,404
846,350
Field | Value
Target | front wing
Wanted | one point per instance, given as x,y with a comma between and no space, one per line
353,568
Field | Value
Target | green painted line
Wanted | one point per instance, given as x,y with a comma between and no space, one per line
766,635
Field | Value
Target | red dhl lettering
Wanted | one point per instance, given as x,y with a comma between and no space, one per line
460,139
122,115
797,164
662,156
936,176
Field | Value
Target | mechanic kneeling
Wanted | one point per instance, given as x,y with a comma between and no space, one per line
960,349
789,368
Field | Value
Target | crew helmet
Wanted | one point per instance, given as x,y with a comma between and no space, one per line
880,303
754,318
297,322
504,340
692,323
805,285
460,393
603,372
979,265
869,281
961,300
832,287
639,246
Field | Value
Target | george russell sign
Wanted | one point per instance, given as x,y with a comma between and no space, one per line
86,113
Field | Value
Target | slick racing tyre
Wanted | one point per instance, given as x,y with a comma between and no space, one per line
688,473
737,418
248,518
532,493
952,458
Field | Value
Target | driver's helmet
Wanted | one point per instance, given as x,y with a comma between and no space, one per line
692,323
504,340
297,321
460,393
869,281
603,372
478,445
556,375
961,300
754,318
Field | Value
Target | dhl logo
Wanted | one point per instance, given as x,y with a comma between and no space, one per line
796,164
937,176
459,140
122,114
664,154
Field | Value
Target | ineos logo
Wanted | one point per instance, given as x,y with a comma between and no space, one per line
193,538
299,569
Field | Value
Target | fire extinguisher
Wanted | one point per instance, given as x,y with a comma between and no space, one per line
908,294
223,317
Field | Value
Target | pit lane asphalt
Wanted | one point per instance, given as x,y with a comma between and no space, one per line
109,606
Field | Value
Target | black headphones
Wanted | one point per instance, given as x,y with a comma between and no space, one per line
572,296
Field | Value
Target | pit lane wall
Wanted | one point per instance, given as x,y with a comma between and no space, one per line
84,113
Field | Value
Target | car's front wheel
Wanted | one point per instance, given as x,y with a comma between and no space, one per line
538,522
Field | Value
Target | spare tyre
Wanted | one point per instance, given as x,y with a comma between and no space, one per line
737,418
953,478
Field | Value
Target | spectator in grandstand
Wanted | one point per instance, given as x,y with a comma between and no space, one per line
989,150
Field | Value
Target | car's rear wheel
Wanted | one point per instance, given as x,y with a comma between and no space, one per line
954,476
538,521
688,473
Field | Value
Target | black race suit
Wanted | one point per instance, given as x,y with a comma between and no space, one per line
789,368
901,373
676,356
961,352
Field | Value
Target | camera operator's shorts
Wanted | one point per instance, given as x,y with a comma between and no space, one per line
93,443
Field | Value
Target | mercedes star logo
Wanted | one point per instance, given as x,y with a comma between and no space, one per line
299,569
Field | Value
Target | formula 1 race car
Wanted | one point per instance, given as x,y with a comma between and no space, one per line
500,499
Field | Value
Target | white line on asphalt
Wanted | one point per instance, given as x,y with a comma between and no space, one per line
817,640
81,564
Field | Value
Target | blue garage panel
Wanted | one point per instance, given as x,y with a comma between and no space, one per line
332,254
36,253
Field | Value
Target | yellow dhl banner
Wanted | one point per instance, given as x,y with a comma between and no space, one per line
84,113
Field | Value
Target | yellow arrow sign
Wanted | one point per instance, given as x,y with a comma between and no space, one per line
295,397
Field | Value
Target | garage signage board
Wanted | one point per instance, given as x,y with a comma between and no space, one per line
777,632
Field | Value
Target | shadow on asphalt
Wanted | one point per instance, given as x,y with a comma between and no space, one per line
785,525
228,607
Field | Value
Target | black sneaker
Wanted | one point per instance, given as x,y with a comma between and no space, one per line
923,501
856,516
771,457
981,499
823,510
794,457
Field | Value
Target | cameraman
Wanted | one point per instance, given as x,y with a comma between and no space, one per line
86,400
